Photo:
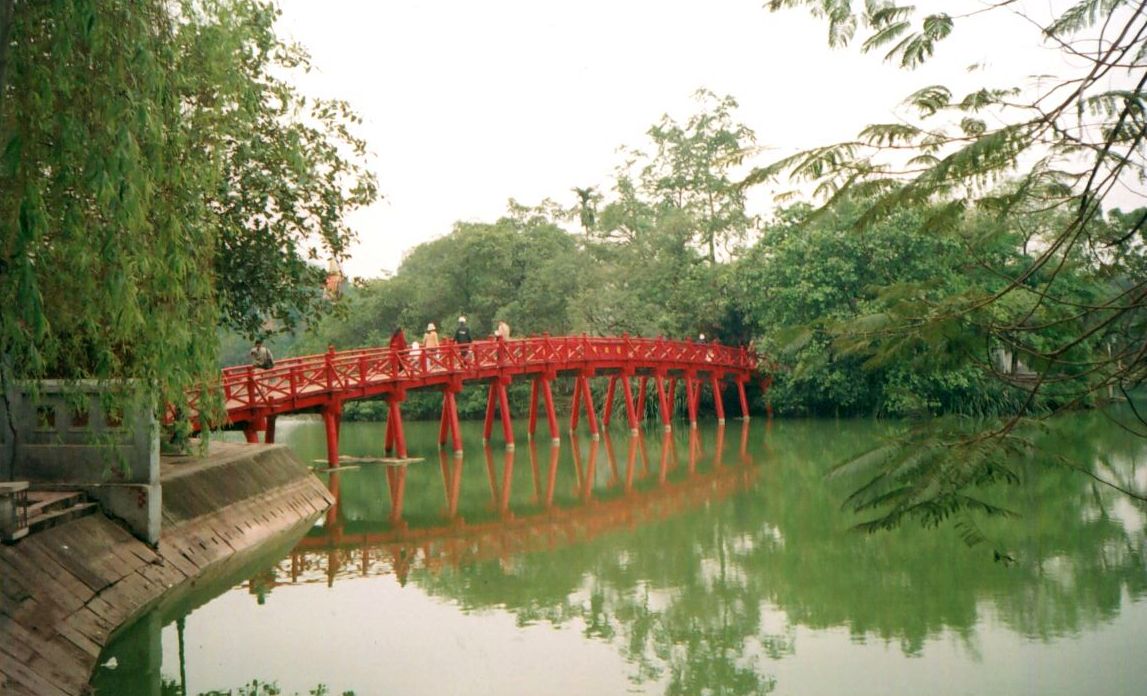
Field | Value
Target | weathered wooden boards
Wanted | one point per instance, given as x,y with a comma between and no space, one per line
64,591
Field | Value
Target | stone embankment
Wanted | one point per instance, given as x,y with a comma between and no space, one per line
65,591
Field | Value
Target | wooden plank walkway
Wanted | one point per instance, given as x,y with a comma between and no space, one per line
65,591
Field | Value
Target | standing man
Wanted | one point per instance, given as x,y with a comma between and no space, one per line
261,356
462,338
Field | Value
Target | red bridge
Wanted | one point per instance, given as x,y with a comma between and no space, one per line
254,397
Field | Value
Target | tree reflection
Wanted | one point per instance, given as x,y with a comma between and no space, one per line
698,563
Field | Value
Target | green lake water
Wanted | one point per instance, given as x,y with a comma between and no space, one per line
713,561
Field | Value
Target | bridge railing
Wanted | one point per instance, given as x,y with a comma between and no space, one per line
359,369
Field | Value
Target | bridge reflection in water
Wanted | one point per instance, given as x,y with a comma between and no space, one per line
613,486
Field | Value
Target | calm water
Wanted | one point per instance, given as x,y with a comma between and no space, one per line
713,561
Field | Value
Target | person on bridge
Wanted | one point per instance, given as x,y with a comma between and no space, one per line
429,343
397,345
462,338
261,356
502,331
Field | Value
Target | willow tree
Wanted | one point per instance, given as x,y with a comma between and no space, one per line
1063,146
159,178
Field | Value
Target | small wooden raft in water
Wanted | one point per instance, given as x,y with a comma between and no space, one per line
391,461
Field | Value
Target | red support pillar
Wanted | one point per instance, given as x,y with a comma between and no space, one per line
697,384
664,403
590,413
507,419
269,435
744,399
641,389
498,400
630,411
551,413
574,411
449,423
532,427
691,400
491,400
717,401
607,410
395,436
455,428
251,434
331,415
444,422
388,443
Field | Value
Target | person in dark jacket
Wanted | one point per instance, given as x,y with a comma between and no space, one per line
462,338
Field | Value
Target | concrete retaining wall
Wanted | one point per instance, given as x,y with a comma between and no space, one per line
86,435
65,591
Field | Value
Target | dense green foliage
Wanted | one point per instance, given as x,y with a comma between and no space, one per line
1052,278
159,178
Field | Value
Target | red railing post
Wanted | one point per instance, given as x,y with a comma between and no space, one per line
251,392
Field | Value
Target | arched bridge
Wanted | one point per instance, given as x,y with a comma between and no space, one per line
254,397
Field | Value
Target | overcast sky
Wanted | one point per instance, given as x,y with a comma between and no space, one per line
468,103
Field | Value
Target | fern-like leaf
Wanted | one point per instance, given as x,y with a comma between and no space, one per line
930,99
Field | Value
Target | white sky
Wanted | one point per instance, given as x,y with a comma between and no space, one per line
468,103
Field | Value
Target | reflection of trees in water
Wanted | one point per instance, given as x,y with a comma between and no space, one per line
1081,546
707,596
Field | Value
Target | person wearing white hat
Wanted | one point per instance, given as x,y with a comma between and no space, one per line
430,338
429,347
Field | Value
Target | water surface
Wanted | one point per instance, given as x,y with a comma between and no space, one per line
716,560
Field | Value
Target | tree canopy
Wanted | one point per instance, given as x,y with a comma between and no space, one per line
159,177
1023,180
